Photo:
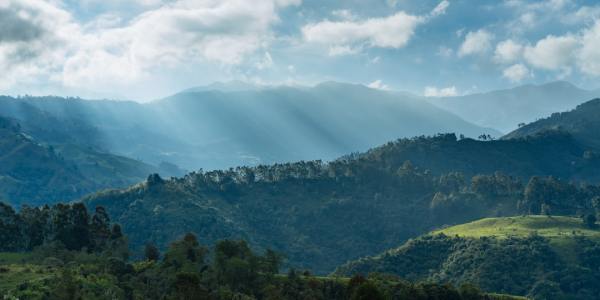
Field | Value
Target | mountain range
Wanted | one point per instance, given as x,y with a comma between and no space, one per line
505,110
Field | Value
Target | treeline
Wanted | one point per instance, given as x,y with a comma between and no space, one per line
67,225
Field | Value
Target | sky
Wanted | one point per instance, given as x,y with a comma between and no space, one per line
149,49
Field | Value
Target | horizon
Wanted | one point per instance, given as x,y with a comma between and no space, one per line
224,87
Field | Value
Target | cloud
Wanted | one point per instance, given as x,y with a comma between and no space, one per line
343,14
516,72
44,41
432,91
389,32
552,52
440,9
351,36
588,56
508,51
378,84
476,42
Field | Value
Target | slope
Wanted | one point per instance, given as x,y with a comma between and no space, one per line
322,215
221,126
583,123
505,109
541,257
33,173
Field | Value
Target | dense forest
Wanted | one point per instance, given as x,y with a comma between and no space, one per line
324,214
64,253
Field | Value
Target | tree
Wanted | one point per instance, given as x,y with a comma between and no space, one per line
367,291
100,229
589,220
151,252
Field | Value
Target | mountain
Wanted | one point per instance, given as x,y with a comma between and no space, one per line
505,109
542,257
324,214
34,173
216,127
583,123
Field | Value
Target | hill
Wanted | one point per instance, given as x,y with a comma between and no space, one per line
543,257
323,214
34,173
583,123
224,126
505,109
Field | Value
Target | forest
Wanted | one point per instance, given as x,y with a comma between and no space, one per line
61,252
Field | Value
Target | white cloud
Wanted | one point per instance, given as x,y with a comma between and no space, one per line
266,62
516,72
343,14
378,84
389,32
476,42
50,45
440,9
588,56
508,51
552,52
432,91
351,36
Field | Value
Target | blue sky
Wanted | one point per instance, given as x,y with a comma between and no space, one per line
147,49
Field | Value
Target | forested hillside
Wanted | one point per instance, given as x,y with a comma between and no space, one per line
321,215
542,257
582,123
35,173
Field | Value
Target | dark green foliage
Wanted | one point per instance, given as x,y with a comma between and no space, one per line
360,204
234,272
66,225
589,220
151,252
520,266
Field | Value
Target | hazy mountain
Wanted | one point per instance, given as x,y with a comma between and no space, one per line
34,173
582,122
234,124
505,109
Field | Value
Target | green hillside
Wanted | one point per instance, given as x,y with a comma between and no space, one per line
34,173
324,214
543,257
582,123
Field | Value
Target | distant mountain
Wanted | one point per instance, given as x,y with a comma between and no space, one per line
290,124
34,173
505,109
227,125
324,214
230,86
583,123
542,257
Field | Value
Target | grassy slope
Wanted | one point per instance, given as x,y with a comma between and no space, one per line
558,229
552,227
